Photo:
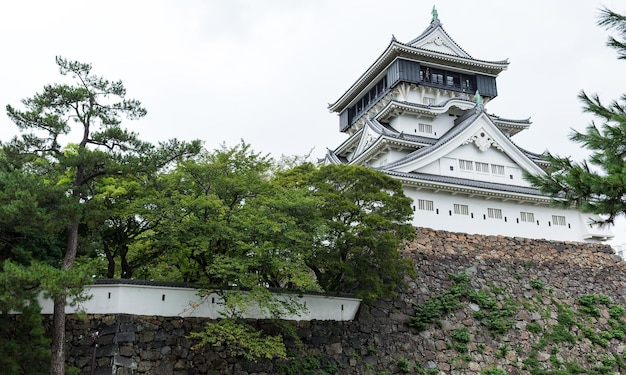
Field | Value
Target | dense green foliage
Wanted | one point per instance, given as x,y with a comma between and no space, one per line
363,219
80,195
596,184
239,222
63,178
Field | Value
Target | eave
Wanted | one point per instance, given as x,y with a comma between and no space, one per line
395,108
397,49
381,145
462,186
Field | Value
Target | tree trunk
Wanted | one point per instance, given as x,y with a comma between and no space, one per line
57,361
127,270
110,260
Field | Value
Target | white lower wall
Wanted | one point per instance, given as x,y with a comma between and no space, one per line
185,302
577,226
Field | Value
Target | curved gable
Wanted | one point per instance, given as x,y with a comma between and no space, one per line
478,130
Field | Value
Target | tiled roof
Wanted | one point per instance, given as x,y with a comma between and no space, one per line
465,182
432,27
460,124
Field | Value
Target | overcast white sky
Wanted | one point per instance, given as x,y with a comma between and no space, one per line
265,71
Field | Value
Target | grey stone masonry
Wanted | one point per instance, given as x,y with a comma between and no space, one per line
543,280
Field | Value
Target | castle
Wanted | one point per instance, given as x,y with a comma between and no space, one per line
418,114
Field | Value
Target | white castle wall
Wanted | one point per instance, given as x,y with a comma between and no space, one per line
186,302
577,226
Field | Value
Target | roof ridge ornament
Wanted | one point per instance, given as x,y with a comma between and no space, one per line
479,101
435,14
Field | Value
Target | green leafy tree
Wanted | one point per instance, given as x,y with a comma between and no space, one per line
130,207
229,226
89,108
24,347
229,223
30,240
598,183
29,230
364,218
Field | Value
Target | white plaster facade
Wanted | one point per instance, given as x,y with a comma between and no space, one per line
427,126
159,300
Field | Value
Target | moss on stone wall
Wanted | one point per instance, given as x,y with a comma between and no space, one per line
524,307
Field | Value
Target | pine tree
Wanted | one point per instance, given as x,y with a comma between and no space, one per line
90,109
597,184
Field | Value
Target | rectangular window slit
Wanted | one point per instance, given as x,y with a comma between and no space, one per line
558,220
461,209
497,169
163,297
494,213
425,205
466,165
528,217
425,128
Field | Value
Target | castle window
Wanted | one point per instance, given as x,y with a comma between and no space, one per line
453,80
437,77
558,220
528,217
497,169
461,209
425,128
425,205
466,165
494,213
482,167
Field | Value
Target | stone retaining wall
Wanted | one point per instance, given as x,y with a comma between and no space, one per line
543,280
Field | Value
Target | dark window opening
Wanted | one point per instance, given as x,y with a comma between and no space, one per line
367,99
440,77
